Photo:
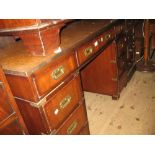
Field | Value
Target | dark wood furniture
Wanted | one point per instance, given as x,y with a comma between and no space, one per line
11,121
139,40
146,64
99,57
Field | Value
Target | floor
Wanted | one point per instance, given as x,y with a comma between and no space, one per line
133,113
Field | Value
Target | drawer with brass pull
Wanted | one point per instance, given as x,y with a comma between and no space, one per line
49,76
75,122
63,102
85,51
88,49
106,36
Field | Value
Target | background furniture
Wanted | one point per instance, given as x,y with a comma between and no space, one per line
146,64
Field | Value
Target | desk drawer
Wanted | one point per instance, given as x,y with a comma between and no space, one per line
105,37
75,122
51,75
85,51
88,49
63,102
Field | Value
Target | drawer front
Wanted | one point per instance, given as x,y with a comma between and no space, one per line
5,108
63,102
85,130
85,51
106,36
50,76
12,129
88,49
75,122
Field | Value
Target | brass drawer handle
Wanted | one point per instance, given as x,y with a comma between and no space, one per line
65,102
58,72
72,127
88,51
107,36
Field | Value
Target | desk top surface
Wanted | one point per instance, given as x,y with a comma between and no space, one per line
15,60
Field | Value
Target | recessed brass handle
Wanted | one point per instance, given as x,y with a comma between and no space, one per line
107,36
88,51
72,127
65,102
58,72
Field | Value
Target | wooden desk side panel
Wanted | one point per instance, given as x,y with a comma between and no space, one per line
32,116
22,87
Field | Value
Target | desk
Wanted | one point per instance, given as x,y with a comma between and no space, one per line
97,56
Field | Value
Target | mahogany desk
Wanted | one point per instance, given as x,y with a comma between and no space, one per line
96,56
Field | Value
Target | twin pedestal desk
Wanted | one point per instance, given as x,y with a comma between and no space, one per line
96,56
